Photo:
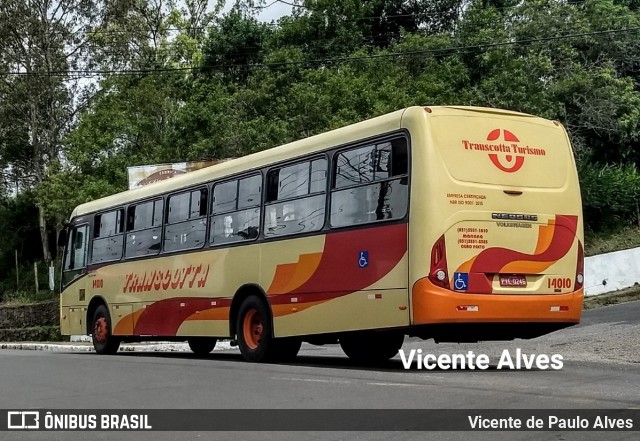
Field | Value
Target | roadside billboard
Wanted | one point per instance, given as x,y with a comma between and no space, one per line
142,175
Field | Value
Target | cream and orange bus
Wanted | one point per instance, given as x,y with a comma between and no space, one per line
454,223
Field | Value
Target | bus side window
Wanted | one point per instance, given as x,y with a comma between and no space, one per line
354,166
186,226
236,210
108,232
296,198
370,184
144,229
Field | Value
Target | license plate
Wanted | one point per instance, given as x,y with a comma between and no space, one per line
513,280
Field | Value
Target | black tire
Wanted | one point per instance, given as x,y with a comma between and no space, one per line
254,320
285,349
202,345
103,341
371,347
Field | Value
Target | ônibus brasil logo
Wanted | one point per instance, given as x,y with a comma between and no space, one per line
514,152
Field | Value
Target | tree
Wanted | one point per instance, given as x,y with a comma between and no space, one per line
235,42
130,120
44,45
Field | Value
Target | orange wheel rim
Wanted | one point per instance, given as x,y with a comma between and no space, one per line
100,330
252,329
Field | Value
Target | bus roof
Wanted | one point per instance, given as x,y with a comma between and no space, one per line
324,141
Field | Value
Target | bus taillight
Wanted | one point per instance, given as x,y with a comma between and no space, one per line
438,274
580,268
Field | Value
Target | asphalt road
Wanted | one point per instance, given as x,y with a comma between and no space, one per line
601,370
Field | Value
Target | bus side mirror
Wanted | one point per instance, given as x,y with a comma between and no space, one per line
62,238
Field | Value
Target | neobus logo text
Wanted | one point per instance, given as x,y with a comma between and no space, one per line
514,152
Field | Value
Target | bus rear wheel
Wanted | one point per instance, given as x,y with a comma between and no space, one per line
202,345
103,341
253,328
371,347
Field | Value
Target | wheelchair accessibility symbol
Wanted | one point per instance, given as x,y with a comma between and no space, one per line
363,259
460,281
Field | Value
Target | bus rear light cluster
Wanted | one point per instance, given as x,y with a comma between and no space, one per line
438,272
580,268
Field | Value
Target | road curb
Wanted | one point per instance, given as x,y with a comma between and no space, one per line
65,347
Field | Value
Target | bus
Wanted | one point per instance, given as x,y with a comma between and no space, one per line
458,224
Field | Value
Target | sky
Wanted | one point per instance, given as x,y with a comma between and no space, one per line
274,12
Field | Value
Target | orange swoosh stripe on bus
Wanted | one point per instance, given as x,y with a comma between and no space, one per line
290,276
526,267
545,236
126,325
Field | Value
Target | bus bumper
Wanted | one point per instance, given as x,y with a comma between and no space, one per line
433,305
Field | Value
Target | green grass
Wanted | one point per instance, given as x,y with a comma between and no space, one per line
606,242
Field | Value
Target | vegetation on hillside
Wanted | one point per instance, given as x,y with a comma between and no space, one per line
89,87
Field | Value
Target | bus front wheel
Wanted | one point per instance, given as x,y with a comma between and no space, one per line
202,345
103,341
371,347
253,328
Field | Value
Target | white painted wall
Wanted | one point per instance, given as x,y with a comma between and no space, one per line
611,271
